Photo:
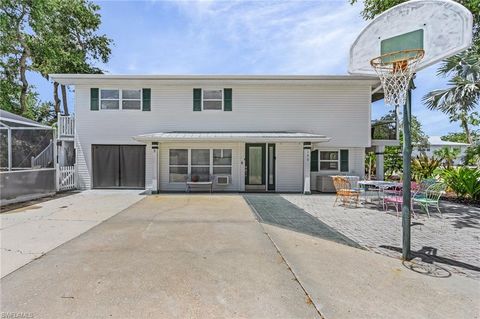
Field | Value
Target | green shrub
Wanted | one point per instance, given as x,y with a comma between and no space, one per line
463,181
423,167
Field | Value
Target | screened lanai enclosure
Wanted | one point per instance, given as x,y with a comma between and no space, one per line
27,167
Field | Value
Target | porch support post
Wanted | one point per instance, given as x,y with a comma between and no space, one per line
56,164
380,159
307,149
155,177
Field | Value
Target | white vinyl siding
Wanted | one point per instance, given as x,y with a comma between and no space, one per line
289,167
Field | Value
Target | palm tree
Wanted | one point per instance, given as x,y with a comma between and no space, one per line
448,155
462,96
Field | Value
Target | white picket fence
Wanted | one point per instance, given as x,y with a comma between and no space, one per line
66,178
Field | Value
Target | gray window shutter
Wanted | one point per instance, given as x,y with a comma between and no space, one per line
94,101
227,99
146,99
344,161
197,99
314,161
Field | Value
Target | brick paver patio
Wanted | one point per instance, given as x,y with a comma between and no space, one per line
451,243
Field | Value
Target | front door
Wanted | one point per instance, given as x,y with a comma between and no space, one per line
255,167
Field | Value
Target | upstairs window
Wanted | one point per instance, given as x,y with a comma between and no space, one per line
114,99
131,99
109,99
213,100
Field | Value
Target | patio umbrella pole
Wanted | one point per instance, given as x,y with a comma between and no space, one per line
407,174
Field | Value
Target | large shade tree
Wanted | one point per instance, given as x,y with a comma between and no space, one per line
66,41
48,36
15,55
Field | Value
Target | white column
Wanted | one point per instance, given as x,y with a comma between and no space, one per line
56,165
379,150
307,148
155,177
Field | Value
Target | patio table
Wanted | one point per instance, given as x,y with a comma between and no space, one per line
381,186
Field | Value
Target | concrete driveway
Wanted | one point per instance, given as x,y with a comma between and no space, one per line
165,256
206,256
29,232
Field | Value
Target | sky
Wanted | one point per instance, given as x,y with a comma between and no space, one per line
243,37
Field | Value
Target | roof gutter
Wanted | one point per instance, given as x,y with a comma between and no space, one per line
72,79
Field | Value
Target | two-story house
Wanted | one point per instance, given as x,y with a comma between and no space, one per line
245,133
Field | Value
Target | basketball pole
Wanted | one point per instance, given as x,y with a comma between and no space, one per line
407,173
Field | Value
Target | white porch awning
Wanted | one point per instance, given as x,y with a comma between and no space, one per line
232,137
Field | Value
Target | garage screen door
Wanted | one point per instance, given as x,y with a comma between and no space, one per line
118,166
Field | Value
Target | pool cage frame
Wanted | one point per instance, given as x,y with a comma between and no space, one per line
21,123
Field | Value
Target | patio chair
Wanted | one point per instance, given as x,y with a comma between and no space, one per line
422,187
394,196
344,191
431,197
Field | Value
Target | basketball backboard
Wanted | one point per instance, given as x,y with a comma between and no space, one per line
441,28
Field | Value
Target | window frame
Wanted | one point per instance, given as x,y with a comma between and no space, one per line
328,161
189,162
222,99
223,165
177,165
190,158
120,98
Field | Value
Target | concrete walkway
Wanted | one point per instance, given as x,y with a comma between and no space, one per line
173,256
29,232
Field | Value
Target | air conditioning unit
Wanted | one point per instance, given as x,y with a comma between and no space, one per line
223,180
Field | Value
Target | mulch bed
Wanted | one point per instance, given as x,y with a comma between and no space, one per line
451,197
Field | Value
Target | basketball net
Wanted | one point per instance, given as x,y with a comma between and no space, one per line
395,71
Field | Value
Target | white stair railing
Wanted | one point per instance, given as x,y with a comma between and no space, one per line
45,158
66,126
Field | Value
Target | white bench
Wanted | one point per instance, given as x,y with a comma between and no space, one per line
190,184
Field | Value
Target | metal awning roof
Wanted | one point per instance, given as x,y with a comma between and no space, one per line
232,137
10,120
437,141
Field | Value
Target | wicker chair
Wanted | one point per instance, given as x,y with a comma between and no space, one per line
344,191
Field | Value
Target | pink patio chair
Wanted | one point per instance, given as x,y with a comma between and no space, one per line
394,197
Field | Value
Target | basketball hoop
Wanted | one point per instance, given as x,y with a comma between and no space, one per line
395,71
